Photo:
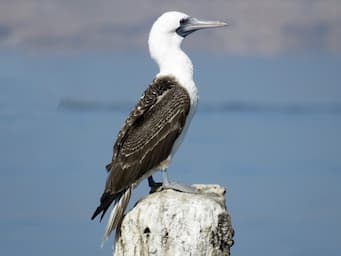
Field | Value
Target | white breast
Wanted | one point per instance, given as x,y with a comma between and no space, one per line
193,93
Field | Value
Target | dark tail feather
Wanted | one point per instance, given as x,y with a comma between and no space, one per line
117,213
106,200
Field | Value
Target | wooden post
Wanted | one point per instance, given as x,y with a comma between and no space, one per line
174,223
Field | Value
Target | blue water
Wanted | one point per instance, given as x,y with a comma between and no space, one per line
281,166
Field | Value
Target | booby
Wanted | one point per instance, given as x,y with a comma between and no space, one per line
156,126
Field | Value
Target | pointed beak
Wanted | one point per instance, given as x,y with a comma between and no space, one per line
196,24
190,25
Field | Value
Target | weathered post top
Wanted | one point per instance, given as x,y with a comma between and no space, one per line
176,223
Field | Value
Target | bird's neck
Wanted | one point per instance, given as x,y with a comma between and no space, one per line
175,62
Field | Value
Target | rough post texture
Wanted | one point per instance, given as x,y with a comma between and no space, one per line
175,223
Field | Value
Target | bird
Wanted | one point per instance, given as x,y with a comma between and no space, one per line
156,126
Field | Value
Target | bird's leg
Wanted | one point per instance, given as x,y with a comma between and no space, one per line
175,186
154,186
165,179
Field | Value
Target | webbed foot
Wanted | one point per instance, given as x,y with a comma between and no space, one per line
178,187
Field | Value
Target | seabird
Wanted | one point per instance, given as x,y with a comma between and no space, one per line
156,126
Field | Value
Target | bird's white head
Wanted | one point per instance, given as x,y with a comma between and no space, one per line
165,39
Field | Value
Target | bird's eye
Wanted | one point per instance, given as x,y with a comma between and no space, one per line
183,21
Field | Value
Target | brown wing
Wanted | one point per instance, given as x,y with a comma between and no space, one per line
149,133
146,139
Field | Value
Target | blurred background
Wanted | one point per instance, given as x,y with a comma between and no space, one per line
268,127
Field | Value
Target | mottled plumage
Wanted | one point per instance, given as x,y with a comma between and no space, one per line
146,139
